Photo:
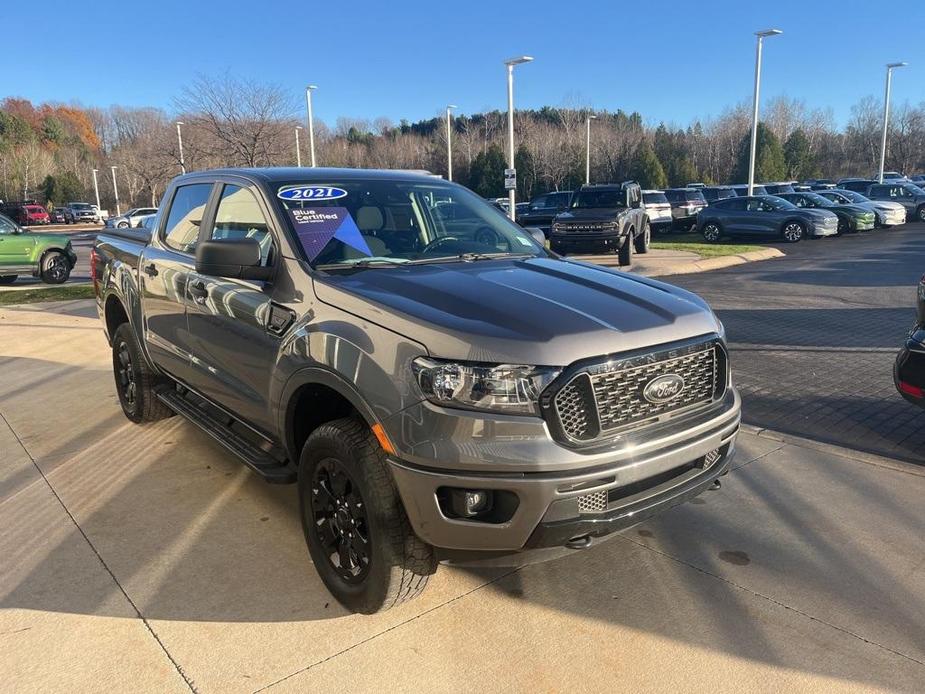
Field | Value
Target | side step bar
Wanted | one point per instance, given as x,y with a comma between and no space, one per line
265,465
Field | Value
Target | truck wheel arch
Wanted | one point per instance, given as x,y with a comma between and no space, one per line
298,419
115,315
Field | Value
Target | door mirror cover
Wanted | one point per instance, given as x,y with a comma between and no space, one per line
234,258
537,235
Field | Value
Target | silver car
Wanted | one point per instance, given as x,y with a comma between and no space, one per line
658,208
887,213
131,218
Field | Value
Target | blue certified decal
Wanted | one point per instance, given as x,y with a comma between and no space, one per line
311,193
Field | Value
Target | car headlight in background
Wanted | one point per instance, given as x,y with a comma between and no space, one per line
509,388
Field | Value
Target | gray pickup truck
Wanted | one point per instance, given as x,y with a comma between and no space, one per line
439,386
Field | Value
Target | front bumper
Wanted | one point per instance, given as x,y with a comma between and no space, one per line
574,241
891,218
909,367
819,229
638,478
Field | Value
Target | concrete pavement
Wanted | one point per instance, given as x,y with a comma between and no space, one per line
145,558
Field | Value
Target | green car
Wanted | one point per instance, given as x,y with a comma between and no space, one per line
850,217
49,256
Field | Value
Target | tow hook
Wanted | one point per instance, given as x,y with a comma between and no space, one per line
716,484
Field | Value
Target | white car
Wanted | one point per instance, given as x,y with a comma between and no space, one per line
129,218
888,214
658,208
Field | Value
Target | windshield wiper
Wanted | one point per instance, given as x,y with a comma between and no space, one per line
367,262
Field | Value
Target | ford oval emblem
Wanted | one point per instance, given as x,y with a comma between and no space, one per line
662,389
306,192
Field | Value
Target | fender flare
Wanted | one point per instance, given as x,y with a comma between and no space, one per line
316,375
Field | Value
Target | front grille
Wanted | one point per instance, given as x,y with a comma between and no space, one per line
595,502
606,396
582,228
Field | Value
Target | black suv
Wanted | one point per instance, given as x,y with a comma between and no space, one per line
714,193
685,204
607,216
543,208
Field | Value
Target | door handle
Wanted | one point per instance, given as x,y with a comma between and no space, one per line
199,292
151,270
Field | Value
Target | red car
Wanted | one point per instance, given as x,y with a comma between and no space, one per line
28,214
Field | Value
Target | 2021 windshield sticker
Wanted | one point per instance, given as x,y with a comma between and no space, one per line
304,192
316,226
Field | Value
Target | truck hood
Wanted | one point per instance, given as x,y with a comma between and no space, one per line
537,311
589,214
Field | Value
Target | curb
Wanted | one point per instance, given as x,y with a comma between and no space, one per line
834,449
718,263
43,287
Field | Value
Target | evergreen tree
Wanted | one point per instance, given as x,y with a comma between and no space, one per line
769,157
798,156
646,169
486,177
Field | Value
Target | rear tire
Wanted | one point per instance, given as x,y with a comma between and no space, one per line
55,268
135,381
625,254
355,526
8,279
712,232
643,240
920,213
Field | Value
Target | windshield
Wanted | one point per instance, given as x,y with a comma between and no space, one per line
589,199
818,200
359,223
851,195
779,203
81,206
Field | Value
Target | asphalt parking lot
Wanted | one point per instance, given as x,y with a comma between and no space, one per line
814,335
145,558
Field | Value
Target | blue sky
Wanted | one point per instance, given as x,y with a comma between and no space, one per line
668,60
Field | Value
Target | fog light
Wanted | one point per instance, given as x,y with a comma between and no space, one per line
710,458
468,503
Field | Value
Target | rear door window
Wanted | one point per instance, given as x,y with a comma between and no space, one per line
181,232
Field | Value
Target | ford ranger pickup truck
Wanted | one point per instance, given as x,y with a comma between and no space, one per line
606,216
438,385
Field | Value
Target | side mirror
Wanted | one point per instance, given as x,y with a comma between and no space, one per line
537,235
234,258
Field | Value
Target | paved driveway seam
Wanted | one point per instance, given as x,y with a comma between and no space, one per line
773,601
99,557
391,628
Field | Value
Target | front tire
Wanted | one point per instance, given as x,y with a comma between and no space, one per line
123,225
55,268
625,254
8,279
643,240
355,526
135,381
920,213
712,232
793,232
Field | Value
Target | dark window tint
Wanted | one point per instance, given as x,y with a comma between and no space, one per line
189,203
654,198
599,199
559,200
239,217
737,204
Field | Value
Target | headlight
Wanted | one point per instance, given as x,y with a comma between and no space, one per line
510,388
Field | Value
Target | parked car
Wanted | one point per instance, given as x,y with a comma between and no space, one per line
819,184
605,216
696,185
685,204
850,217
62,215
385,368
84,212
764,215
858,185
129,218
886,213
890,176
47,256
909,367
543,208
918,179
521,208
146,222
905,193
659,210
713,193
741,189
26,213
777,188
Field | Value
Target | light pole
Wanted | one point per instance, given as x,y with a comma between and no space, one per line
512,193
886,113
449,142
96,189
298,150
588,149
115,189
180,146
751,159
311,123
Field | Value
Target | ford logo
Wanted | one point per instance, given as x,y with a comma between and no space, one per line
662,389
304,192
